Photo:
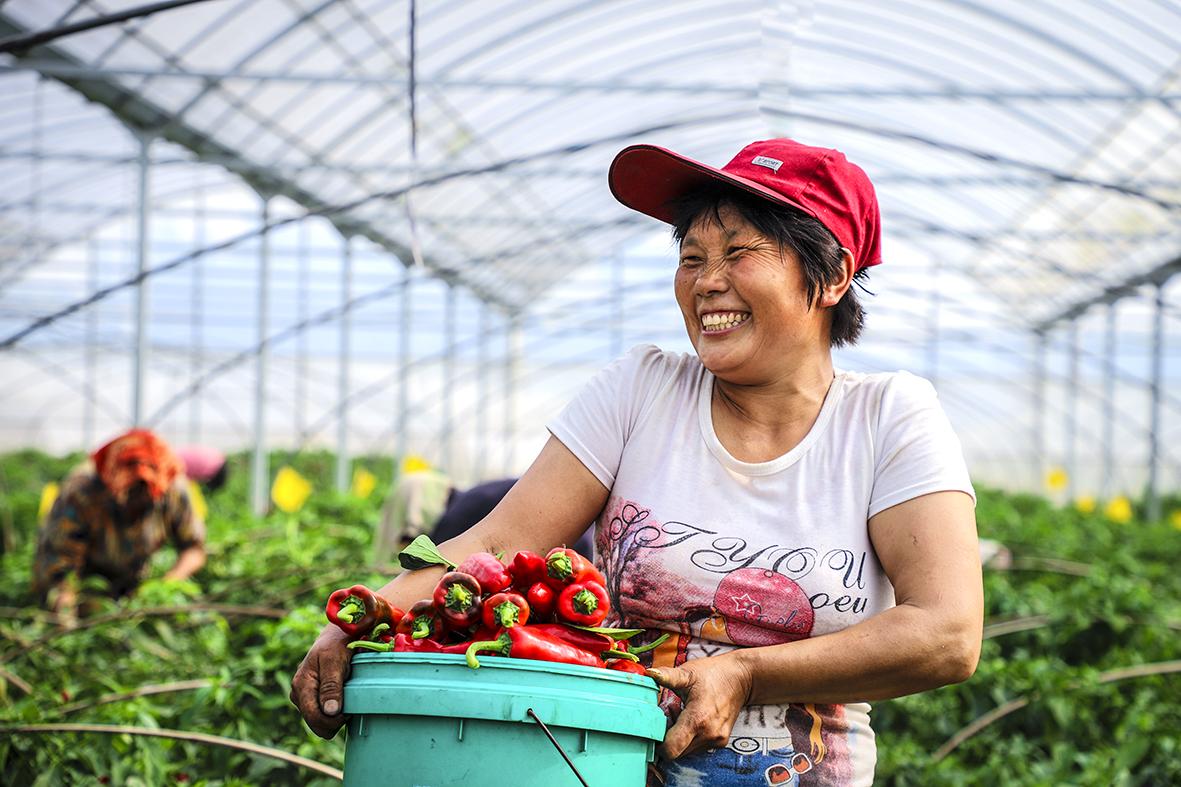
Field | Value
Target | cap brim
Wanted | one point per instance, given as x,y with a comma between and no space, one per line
649,179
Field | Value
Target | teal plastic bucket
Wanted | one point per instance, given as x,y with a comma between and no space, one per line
427,720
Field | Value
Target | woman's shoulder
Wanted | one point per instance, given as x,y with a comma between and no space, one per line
653,363
888,390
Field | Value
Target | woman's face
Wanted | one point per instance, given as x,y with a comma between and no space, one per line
744,301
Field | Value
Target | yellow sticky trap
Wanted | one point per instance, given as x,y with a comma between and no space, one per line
415,464
197,500
1119,509
1085,504
364,483
1057,479
48,495
290,490
1175,518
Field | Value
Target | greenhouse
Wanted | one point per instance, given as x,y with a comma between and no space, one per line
339,242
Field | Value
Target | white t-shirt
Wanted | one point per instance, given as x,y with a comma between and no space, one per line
725,553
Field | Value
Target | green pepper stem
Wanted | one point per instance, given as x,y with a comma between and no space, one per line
364,644
585,602
559,566
507,614
422,627
458,597
500,646
619,654
350,611
650,646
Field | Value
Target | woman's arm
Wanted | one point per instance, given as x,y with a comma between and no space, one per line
551,504
927,547
188,562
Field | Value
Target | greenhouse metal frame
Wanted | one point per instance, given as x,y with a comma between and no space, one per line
385,227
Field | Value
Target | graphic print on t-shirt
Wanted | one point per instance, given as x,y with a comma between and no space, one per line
714,592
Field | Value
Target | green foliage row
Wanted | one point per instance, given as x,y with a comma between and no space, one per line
1099,597
1094,597
277,563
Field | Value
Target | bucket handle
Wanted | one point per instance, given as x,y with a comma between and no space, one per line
558,746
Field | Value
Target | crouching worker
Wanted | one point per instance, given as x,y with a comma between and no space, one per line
109,519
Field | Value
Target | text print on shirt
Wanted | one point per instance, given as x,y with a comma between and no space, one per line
761,599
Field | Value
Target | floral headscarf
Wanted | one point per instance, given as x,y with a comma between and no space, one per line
137,455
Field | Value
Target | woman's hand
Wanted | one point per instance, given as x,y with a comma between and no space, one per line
317,686
713,690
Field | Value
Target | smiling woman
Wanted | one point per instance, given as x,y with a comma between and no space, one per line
805,535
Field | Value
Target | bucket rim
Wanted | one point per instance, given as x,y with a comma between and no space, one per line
508,663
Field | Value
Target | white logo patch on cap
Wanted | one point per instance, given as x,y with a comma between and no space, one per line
769,163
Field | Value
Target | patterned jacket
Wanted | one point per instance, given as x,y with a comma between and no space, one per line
87,532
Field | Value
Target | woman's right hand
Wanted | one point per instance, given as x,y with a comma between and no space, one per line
317,688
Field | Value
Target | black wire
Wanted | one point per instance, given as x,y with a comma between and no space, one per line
19,43
412,87
332,210
558,746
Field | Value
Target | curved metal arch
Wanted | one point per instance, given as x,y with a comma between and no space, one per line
1056,133
1054,41
1148,30
867,56
563,15
873,57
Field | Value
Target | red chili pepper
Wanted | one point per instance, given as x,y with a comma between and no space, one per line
587,640
563,566
542,599
457,597
407,644
423,620
492,575
527,568
592,572
505,609
356,610
525,642
584,603
626,665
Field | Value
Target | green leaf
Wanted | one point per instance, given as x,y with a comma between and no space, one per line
610,632
1132,751
422,553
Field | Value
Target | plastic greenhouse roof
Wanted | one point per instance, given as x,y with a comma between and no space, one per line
1033,146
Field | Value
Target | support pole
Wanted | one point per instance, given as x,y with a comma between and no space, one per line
933,308
196,319
141,287
1072,411
512,361
301,342
1152,501
342,391
480,415
402,439
447,436
89,362
1108,485
260,470
1039,410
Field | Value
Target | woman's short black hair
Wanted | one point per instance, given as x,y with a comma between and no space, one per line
816,247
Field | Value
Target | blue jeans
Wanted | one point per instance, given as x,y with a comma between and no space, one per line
745,761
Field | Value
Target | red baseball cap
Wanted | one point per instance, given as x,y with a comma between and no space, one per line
819,181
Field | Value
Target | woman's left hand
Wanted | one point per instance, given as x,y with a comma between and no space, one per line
713,690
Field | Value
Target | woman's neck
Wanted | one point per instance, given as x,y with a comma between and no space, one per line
759,422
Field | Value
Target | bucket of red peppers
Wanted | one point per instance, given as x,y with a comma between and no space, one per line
507,658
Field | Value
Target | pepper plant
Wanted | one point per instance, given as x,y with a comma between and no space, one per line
1073,687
